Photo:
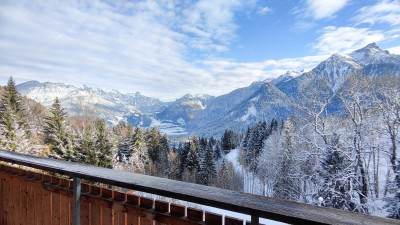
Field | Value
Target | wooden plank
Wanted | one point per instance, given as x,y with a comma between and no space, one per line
39,210
85,212
30,217
107,210
23,210
177,210
232,221
194,215
16,191
47,206
265,207
1,197
162,207
120,217
132,215
56,203
95,206
213,219
147,218
3,202
65,205
8,201
107,215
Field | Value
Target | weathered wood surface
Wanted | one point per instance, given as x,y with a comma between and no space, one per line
33,198
270,208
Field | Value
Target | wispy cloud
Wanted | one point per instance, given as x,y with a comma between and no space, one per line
264,10
345,39
320,9
131,46
385,11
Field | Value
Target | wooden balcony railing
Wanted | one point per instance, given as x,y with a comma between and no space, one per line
33,198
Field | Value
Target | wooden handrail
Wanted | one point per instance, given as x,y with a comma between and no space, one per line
257,206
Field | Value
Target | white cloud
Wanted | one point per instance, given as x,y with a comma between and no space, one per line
320,9
385,11
264,10
395,50
345,39
130,46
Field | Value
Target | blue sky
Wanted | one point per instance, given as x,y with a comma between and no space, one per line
167,48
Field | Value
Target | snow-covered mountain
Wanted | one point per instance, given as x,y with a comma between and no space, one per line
185,109
111,105
276,98
206,115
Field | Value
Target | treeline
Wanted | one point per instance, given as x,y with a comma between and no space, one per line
344,157
197,160
28,127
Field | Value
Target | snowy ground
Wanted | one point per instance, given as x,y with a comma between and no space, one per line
168,127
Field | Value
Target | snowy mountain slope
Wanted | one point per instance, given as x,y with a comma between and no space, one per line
220,105
266,103
184,109
238,109
205,115
372,54
80,100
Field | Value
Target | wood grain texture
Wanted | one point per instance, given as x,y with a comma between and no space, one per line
265,207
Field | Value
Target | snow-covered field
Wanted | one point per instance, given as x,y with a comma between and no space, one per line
168,127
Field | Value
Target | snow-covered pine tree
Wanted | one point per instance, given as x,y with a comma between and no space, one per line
139,155
103,145
230,140
153,145
337,178
86,149
217,151
56,134
14,129
192,163
208,170
164,148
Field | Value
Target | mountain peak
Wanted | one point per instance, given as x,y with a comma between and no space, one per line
372,54
372,45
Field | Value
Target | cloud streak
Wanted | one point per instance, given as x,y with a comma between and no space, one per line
320,9
385,11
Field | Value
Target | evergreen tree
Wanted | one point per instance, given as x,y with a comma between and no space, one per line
217,151
87,149
14,129
164,149
208,170
192,163
103,145
139,155
245,140
56,134
153,145
229,141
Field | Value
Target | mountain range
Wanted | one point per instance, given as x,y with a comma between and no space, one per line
208,115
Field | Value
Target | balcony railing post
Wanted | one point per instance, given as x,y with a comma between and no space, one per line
77,201
255,219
